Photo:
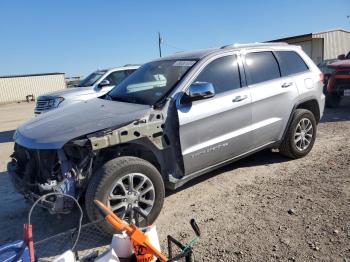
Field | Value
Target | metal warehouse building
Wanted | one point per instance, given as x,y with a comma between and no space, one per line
16,88
322,45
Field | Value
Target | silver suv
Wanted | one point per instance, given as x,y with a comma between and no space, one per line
172,120
96,84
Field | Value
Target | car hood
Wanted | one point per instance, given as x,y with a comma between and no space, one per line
340,64
53,129
69,92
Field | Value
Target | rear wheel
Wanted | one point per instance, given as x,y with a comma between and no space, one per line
300,136
122,184
333,100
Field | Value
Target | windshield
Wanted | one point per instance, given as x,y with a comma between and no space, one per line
151,82
92,78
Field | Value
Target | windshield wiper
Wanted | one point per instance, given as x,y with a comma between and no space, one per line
119,99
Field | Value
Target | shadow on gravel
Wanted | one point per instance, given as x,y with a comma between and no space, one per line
342,113
265,157
6,136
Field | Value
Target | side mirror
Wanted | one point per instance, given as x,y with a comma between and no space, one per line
103,83
199,91
341,57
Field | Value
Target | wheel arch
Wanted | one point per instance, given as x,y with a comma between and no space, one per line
310,104
141,148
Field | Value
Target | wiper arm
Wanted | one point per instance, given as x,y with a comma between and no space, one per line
118,99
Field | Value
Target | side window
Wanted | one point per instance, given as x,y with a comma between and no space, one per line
130,71
261,66
116,77
290,63
223,73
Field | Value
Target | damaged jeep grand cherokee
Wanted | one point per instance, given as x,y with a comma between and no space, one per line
172,120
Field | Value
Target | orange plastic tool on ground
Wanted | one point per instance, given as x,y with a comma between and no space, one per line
144,250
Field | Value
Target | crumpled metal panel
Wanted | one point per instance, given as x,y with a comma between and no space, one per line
53,129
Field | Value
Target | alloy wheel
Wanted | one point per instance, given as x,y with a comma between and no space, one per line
130,191
303,134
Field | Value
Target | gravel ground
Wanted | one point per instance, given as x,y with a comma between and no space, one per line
262,208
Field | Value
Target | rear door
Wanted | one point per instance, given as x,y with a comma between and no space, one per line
293,66
273,96
216,129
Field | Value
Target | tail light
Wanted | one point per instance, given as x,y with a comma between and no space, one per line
322,77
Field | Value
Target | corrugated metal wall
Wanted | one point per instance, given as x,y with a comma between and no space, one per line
336,42
306,46
16,88
317,50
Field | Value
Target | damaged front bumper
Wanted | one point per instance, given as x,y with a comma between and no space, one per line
37,172
32,192
55,204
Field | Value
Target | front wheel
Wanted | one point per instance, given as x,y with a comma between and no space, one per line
122,184
300,136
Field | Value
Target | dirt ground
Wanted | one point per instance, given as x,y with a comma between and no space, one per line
263,208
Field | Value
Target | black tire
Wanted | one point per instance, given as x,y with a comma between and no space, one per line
102,182
333,100
288,146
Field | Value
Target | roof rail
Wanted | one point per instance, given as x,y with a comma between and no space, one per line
131,65
252,45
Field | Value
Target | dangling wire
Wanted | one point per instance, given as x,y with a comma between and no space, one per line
63,195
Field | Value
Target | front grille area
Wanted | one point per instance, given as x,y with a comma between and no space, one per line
43,105
36,166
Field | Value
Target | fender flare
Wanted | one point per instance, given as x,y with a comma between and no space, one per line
295,107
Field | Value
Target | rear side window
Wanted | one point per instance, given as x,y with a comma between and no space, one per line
261,66
223,73
290,63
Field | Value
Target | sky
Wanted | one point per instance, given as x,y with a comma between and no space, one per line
78,37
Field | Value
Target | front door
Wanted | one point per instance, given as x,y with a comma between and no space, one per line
216,129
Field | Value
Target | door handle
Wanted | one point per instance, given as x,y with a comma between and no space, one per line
287,84
239,98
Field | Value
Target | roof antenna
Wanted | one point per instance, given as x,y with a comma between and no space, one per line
160,41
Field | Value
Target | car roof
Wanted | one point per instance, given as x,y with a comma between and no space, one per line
341,64
121,68
199,54
189,55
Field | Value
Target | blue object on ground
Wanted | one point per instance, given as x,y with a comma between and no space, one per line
13,252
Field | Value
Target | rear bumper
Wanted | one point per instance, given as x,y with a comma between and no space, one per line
322,103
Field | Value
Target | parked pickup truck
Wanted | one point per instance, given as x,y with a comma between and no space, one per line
172,120
96,84
338,81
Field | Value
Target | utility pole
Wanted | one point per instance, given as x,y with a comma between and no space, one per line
160,41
